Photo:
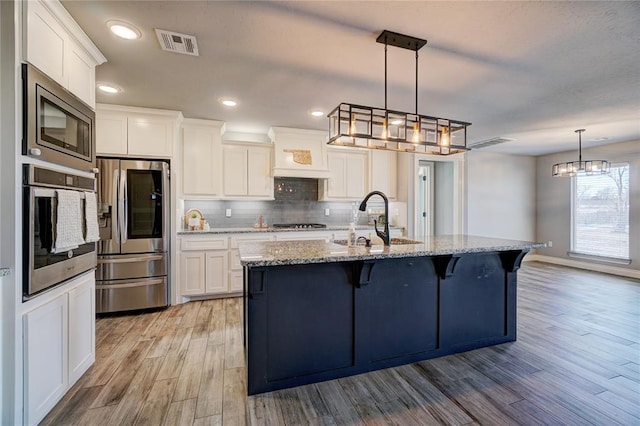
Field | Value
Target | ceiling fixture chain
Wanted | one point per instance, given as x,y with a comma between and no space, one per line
381,128
582,168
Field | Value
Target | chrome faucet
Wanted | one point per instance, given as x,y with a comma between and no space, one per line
382,234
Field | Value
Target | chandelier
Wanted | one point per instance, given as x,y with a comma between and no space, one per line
380,128
582,168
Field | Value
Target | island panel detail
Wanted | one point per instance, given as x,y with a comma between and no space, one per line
306,323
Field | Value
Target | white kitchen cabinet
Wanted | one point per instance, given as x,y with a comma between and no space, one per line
247,171
236,283
136,132
56,45
349,175
203,266
82,313
383,171
46,354
201,158
59,344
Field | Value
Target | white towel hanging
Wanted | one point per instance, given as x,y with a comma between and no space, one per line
68,221
91,218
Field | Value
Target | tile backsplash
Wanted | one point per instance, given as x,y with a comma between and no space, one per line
245,213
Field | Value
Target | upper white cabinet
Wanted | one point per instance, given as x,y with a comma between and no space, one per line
247,171
56,45
136,132
201,158
349,175
383,172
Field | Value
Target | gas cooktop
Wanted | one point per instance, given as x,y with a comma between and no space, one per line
299,225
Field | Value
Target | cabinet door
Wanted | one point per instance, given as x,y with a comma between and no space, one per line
236,281
111,133
235,172
337,184
356,175
81,74
149,135
45,42
259,180
45,357
201,161
216,272
383,172
81,327
192,273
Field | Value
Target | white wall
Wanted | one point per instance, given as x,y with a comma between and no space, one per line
443,198
10,371
501,195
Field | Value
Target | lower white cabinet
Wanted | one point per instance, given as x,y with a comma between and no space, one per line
203,266
59,344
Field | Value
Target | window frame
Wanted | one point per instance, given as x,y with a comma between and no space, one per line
572,243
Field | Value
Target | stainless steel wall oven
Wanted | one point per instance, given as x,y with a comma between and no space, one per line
58,127
42,268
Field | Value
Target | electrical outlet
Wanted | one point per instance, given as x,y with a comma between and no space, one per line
228,213
327,212
550,244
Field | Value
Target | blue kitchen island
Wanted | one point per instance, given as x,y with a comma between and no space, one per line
315,311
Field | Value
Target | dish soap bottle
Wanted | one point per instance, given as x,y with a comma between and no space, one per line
351,238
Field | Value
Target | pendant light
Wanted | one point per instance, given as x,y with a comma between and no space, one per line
582,168
380,128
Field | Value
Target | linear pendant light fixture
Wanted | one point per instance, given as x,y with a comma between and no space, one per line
582,168
380,128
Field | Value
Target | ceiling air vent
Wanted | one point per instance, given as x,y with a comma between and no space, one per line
178,43
489,142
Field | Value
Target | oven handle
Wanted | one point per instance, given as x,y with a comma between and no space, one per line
123,207
132,259
146,282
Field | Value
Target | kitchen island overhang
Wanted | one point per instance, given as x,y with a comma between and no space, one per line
316,311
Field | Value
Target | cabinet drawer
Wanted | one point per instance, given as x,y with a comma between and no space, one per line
249,238
187,244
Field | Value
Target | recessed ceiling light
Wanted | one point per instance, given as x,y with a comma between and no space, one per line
603,138
124,30
396,122
317,113
228,102
108,88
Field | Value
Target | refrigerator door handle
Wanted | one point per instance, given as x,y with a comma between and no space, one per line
131,259
115,218
123,207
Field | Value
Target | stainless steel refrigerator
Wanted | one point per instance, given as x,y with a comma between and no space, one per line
134,223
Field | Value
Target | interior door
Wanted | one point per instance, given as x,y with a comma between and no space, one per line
144,206
424,196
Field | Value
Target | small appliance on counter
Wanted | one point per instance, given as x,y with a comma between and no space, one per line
134,221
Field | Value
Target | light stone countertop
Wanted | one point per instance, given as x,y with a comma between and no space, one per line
270,229
274,253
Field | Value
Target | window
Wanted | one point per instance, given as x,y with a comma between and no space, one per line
601,214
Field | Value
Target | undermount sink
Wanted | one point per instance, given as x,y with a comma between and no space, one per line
394,242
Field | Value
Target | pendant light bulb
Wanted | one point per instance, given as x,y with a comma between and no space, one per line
352,126
416,132
444,137
385,129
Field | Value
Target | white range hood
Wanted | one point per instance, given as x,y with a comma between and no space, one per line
299,153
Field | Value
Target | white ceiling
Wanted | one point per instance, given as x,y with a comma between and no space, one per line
531,71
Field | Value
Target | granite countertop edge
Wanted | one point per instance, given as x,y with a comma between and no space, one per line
307,252
270,229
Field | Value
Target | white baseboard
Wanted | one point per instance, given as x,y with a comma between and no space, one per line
598,267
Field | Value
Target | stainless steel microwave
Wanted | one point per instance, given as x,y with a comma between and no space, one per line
58,127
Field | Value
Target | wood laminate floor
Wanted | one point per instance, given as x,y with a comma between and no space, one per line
576,362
